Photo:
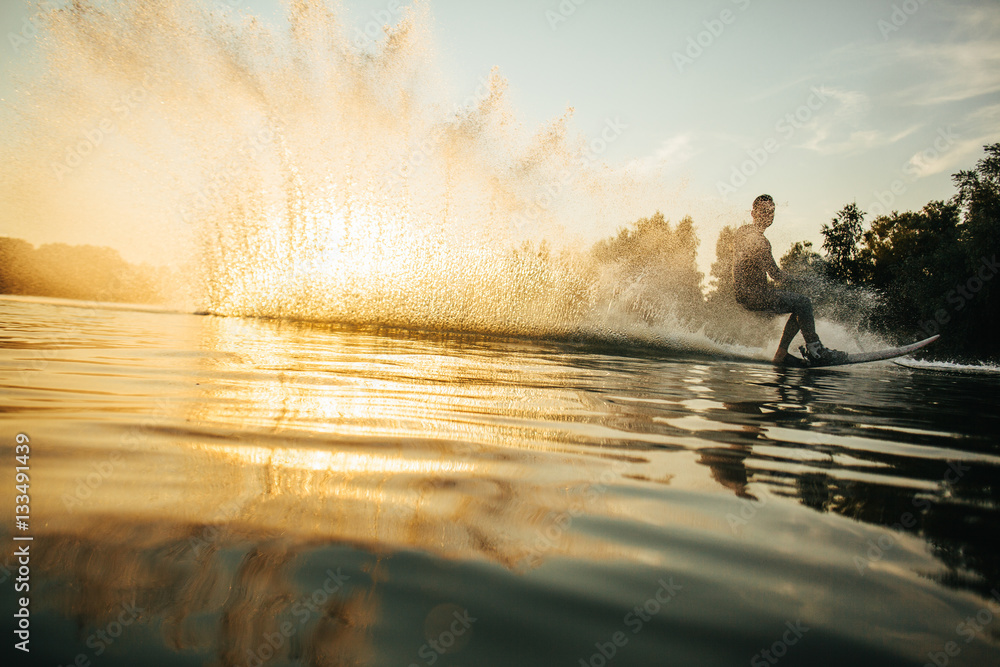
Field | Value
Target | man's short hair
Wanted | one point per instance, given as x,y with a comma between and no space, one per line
761,200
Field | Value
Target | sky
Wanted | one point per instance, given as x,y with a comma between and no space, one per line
819,104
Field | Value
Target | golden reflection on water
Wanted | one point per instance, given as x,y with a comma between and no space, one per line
273,448
314,434
205,481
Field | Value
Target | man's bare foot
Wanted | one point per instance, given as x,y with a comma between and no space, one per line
783,358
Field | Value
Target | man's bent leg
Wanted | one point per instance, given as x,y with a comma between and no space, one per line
801,318
791,329
779,302
802,309
814,351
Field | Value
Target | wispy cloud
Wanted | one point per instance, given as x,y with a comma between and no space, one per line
823,143
829,139
958,61
781,87
676,149
930,162
671,154
987,117
951,72
923,84
844,126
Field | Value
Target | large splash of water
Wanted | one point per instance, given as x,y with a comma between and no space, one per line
298,173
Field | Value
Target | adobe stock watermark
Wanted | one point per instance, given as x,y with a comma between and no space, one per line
211,532
962,295
556,188
635,620
211,192
548,538
421,154
32,24
970,628
748,510
304,609
448,628
899,16
30,372
562,12
102,639
911,170
41,360
779,649
374,29
88,482
785,128
701,42
877,549
92,138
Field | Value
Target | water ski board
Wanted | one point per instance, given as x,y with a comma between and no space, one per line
880,355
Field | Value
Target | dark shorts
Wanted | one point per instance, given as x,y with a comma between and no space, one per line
775,302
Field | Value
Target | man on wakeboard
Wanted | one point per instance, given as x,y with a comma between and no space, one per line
753,262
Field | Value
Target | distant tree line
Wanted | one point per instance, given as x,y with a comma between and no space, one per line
933,271
82,272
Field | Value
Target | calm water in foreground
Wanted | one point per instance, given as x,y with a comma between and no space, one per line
239,492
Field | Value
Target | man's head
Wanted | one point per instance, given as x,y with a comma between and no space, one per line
763,211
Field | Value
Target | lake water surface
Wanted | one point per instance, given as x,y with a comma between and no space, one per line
225,491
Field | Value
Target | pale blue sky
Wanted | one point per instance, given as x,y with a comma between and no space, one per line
890,93
903,94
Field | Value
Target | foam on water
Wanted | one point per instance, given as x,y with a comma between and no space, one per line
951,367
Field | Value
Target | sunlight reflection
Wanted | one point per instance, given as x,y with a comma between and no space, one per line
344,462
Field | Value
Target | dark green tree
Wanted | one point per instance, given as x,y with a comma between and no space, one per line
911,259
802,262
841,243
979,288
